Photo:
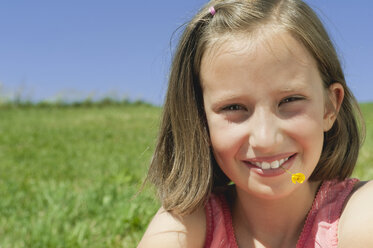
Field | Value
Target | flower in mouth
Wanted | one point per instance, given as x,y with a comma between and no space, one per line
295,178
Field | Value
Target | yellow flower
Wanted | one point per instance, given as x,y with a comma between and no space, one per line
297,178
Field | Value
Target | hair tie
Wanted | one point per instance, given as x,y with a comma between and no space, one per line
212,10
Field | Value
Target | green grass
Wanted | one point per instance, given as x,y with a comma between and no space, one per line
68,176
364,167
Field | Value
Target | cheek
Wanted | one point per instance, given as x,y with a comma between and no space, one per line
226,138
308,132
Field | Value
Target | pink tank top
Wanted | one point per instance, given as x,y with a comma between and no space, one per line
319,230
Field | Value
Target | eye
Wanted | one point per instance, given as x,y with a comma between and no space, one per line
234,113
291,99
233,107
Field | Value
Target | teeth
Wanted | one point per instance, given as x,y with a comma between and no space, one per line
266,166
273,165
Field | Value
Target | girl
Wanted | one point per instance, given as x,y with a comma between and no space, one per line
256,92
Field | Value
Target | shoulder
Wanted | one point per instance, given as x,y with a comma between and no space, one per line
356,222
170,230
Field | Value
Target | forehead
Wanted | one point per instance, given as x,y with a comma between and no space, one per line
264,50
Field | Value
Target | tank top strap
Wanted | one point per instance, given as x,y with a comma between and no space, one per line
219,228
321,226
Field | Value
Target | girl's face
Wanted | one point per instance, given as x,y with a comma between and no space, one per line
265,108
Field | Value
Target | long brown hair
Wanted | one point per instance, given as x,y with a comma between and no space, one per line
183,168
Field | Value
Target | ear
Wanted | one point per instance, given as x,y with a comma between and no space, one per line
333,102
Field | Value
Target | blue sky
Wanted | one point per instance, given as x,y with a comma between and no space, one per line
74,49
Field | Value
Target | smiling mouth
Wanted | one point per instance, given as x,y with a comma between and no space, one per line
270,165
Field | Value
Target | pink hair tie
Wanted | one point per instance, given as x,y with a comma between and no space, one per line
212,10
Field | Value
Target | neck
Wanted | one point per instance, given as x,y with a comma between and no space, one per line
272,222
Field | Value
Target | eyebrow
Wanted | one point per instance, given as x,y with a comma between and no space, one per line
294,87
289,90
225,99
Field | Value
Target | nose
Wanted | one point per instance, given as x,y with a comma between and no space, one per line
264,130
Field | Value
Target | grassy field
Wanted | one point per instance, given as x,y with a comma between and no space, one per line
68,176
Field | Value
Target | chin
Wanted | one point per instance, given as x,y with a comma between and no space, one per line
273,191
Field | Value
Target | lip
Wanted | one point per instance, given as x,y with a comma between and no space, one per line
271,172
270,158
